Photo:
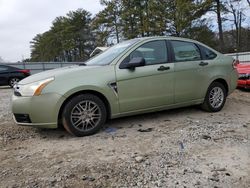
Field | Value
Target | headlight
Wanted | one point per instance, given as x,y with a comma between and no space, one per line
32,89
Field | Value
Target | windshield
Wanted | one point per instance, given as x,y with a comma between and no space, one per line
110,54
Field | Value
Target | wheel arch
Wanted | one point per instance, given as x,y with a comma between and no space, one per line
223,82
93,92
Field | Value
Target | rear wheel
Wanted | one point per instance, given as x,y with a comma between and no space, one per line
84,115
13,81
215,97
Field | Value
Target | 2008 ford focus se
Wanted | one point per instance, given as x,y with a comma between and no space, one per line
136,76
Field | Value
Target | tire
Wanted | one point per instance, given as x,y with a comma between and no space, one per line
13,81
84,115
215,97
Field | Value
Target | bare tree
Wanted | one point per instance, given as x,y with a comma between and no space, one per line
219,21
237,12
248,1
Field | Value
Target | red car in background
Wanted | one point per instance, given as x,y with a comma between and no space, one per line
244,75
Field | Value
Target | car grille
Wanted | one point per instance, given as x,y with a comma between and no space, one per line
244,76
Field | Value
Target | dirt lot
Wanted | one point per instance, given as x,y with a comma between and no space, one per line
180,148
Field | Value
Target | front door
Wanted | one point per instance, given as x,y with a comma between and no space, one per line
149,86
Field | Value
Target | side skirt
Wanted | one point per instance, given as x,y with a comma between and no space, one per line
156,109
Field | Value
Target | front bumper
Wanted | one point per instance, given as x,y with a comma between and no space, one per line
42,110
244,84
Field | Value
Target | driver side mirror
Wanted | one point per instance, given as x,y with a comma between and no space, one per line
134,62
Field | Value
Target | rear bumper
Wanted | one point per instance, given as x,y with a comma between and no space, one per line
244,84
233,81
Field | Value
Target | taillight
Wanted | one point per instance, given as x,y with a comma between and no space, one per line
235,63
25,71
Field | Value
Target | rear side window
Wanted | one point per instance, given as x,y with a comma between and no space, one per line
208,54
185,51
154,52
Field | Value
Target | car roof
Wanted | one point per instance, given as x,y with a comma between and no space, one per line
167,37
177,38
140,39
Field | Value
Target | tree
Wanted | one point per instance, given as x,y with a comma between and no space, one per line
142,18
107,23
153,18
130,18
219,21
230,40
201,32
72,37
236,11
183,13
139,18
245,38
69,39
219,8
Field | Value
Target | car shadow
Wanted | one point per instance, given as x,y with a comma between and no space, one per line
120,123
244,89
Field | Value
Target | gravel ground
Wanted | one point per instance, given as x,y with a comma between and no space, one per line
177,148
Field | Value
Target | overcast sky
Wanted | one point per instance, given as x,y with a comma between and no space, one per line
21,20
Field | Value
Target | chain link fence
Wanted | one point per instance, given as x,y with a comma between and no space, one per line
36,67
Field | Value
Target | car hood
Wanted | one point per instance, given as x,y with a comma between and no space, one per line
243,68
55,73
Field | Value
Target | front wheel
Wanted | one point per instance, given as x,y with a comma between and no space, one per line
215,97
84,115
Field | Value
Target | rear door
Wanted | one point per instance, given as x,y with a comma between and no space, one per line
149,86
191,77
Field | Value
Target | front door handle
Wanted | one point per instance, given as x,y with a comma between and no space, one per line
203,63
163,68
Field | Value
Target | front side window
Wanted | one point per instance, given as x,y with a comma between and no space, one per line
185,51
154,52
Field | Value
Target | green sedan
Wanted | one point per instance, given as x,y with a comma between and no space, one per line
133,77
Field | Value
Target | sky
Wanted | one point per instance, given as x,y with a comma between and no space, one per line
21,20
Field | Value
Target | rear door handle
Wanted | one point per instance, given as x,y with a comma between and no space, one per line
163,68
203,63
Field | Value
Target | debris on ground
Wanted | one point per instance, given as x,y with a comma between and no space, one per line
185,147
145,130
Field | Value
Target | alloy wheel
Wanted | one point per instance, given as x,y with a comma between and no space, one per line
216,97
14,81
85,115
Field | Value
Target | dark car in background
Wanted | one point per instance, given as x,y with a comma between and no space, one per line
11,75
